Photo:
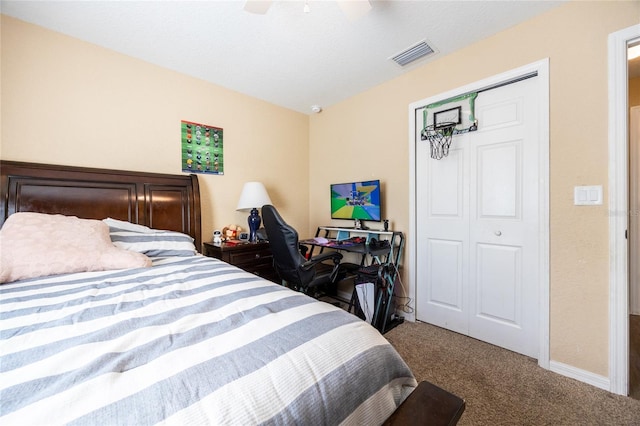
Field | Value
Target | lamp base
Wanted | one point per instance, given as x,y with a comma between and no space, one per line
254,222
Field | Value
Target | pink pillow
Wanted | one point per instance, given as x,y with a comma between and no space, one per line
36,244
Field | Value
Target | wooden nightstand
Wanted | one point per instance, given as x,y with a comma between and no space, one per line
252,257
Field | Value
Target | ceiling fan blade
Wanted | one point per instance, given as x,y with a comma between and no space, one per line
354,9
259,7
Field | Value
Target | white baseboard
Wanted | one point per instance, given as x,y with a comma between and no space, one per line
580,375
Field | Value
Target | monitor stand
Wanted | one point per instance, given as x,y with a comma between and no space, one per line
359,224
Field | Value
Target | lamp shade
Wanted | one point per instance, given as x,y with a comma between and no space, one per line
254,195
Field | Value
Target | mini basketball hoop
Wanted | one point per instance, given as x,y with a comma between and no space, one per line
439,136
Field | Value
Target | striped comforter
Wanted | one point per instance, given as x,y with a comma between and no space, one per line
191,340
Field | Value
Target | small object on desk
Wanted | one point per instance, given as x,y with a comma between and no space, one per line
345,243
230,232
320,240
386,224
376,244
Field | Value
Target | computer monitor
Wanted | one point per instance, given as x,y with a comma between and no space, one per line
356,200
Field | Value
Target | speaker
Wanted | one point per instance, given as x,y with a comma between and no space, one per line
375,244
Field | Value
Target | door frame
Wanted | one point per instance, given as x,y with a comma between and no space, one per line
542,69
634,195
618,209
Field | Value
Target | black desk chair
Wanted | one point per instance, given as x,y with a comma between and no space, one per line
310,276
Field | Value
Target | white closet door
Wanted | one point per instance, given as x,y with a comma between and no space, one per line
477,224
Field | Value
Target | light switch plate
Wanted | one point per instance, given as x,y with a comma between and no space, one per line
587,195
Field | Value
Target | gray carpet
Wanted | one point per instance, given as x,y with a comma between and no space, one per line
501,387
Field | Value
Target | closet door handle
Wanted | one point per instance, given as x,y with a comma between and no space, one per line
498,233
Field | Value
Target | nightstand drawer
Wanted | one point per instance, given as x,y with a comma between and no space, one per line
255,258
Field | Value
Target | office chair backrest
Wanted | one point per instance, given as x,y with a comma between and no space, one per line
283,240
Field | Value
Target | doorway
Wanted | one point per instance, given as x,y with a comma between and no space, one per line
619,324
496,257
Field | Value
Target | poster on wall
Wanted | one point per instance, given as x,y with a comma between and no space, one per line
202,148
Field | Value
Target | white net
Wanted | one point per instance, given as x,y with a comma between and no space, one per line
439,138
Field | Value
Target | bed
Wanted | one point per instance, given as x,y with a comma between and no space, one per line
180,339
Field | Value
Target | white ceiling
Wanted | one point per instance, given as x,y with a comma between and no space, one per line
285,57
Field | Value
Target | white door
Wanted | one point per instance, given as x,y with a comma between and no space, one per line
477,224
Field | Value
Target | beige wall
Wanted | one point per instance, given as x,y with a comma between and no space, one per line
366,136
68,102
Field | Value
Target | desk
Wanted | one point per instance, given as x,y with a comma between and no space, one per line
378,255
339,239
375,247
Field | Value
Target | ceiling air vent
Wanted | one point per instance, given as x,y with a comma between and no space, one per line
415,52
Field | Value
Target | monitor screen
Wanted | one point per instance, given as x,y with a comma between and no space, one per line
356,200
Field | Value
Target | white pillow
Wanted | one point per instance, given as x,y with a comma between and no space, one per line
36,244
151,242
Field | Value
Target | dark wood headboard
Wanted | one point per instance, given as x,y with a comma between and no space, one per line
160,201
